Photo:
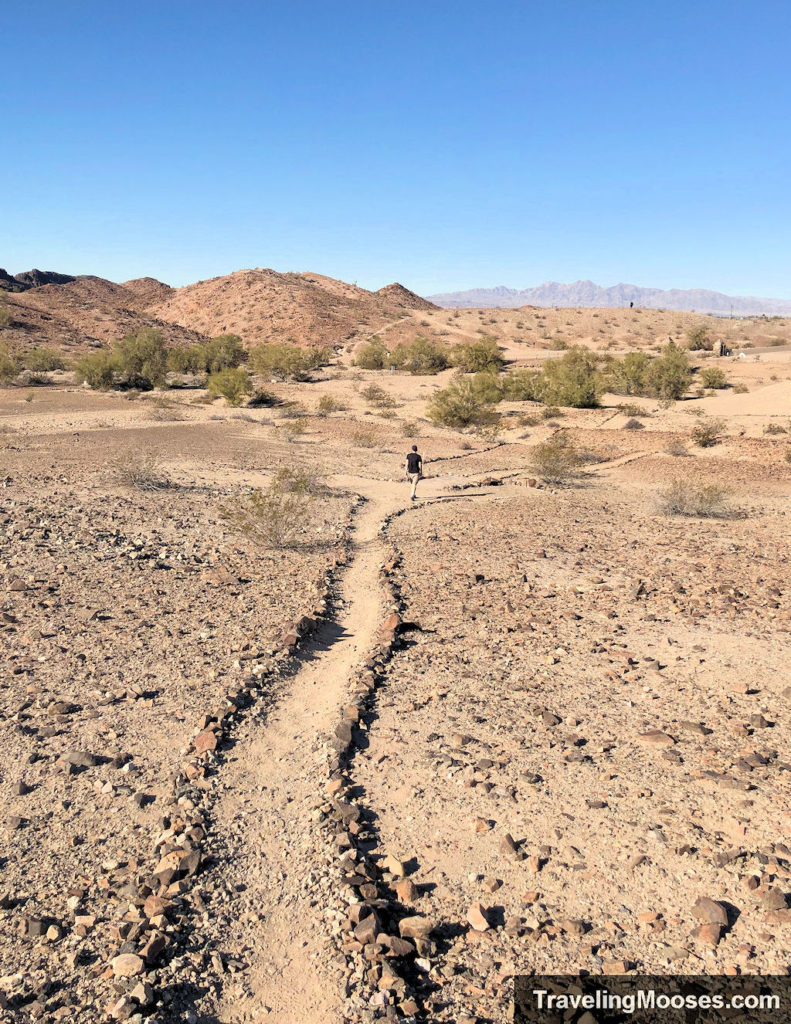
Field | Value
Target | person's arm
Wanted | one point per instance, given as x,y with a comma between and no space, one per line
420,466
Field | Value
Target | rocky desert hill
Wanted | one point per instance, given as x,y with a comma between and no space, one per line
264,305
260,305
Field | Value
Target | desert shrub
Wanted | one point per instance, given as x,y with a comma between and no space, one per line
522,386
284,361
231,384
9,364
551,412
668,376
708,433
299,480
678,449
372,356
477,356
97,369
787,455
328,404
43,359
293,428
463,403
633,424
225,352
572,380
557,460
142,358
741,389
420,356
186,360
261,398
775,428
366,437
685,498
143,471
376,395
629,409
273,517
713,377
628,376
558,345
698,339
410,429
6,319
487,386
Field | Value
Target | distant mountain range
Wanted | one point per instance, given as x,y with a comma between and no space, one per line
586,293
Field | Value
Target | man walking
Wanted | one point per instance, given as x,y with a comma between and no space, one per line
414,469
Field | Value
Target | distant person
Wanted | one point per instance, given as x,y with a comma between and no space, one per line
631,305
414,469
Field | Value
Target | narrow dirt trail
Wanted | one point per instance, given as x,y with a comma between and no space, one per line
271,791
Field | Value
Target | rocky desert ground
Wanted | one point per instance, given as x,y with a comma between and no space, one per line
513,726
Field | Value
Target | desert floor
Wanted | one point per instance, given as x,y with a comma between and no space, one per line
501,729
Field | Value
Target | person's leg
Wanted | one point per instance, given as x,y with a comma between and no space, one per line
414,478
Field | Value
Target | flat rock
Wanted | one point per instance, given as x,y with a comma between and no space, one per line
127,965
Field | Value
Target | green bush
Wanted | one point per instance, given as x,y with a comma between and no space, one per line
286,362
186,360
9,364
142,358
372,356
420,356
42,359
668,376
97,369
5,318
225,352
463,403
232,384
628,376
698,339
477,356
713,377
522,386
572,380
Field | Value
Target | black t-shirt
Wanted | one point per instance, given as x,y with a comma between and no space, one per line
413,462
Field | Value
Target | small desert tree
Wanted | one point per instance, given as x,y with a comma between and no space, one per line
43,359
373,355
669,375
97,369
232,384
463,403
142,358
477,356
572,380
420,356
9,364
698,338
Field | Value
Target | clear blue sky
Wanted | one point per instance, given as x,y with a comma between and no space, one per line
442,144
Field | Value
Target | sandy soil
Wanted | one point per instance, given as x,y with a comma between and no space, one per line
211,748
